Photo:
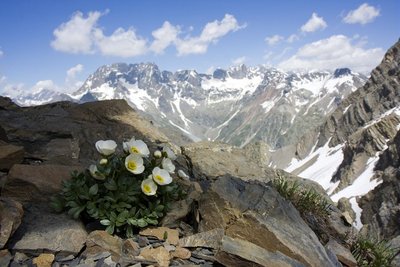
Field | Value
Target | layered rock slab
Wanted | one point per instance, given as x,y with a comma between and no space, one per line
255,212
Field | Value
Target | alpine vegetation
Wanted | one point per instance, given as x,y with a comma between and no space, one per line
122,192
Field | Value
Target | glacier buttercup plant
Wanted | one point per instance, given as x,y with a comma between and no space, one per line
125,191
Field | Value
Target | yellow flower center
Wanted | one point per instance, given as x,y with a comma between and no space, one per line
134,150
159,178
147,188
132,165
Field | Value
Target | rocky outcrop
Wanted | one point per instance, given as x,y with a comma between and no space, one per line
381,206
64,133
255,212
360,128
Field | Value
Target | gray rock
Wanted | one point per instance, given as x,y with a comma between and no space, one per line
43,230
5,257
209,160
209,239
343,254
244,208
27,183
395,244
11,213
10,155
345,207
237,252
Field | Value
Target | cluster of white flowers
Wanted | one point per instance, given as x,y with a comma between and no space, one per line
134,163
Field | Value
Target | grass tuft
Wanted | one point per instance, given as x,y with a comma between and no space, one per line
304,199
373,253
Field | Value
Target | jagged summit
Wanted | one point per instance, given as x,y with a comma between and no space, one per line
341,72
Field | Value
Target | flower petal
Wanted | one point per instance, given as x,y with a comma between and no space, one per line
168,165
106,147
134,164
161,176
148,187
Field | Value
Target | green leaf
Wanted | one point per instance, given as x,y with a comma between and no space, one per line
111,185
159,208
94,189
142,223
151,221
110,229
132,221
105,222
129,231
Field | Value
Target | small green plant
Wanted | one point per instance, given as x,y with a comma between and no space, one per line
122,192
305,200
373,253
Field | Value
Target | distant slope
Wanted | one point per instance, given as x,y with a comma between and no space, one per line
343,153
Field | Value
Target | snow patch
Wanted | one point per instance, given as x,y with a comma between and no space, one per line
362,184
354,205
321,171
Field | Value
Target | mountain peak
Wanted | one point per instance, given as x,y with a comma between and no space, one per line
341,72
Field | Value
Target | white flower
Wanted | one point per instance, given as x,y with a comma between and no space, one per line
157,154
161,176
107,147
95,172
168,165
148,186
183,175
138,147
169,152
103,161
125,145
134,164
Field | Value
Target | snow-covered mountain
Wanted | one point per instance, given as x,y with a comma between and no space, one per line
238,105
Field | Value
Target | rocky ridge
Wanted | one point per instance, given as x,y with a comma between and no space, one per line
214,226
355,152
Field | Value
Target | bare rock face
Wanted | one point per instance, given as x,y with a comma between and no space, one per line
11,213
65,133
10,155
29,183
256,213
381,206
42,229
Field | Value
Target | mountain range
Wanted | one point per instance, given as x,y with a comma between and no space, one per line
238,105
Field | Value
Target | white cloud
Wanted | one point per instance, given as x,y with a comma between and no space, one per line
71,80
164,37
82,35
334,52
363,14
122,43
76,35
239,60
210,70
272,40
211,33
45,84
292,38
314,23
12,90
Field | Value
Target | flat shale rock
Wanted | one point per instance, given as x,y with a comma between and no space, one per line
11,213
43,230
255,212
27,183
10,155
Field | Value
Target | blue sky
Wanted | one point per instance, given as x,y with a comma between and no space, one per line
57,44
